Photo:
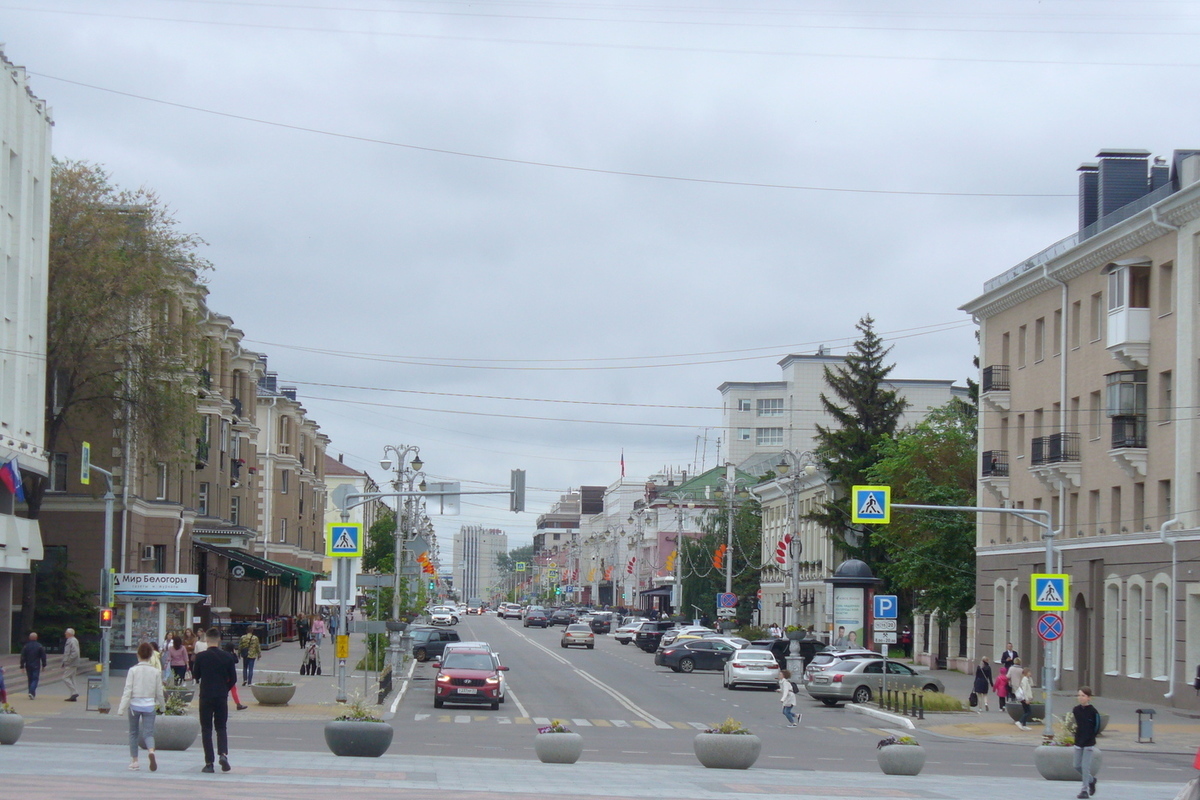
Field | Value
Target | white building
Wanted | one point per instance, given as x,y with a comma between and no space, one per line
476,561
337,474
24,277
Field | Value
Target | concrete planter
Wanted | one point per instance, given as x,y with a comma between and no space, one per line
558,748
175,733
358,739
11,726
273,695
727,750
1014,710
1056,763
901,759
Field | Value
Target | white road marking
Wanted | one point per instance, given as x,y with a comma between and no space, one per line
700,726
541,720
504,720
583,723
462,717
620,723
419,717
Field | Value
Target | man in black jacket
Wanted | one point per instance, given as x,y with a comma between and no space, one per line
1087,725
33,659
216,672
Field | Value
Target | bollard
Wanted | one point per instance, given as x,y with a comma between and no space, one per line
921,712
1145,734
904,710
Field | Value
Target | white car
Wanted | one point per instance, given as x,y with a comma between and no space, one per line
751,666
624,634
443,615
509,611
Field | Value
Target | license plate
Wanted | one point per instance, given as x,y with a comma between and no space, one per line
757,669
468,691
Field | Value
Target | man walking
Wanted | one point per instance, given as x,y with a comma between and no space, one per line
1008,657
216,672
70,664
249,648
1087,723
33,659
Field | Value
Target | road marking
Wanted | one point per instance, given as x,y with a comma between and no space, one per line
683,726
85,730
503,720
419,717
583,723
288,739
602,723
820,758
462,717
639,723
789,758
234,736
638,752
508,695
700,726
619,723
541,720
856,730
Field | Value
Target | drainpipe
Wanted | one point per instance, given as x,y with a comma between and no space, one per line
1062,424
1173,541
178,539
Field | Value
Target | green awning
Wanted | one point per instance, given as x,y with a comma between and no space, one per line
258,567
303,578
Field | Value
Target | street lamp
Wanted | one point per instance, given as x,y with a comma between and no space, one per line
676,502
406,477
805,467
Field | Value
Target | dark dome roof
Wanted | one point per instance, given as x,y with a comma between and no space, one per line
853,568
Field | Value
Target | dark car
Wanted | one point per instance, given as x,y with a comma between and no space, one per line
468,676
535,616
648,636
601,622
780,648
428,642
561,616
695,654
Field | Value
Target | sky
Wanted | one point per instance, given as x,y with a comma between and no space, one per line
541,234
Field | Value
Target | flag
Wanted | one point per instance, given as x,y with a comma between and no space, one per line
10,475
629,566
622,462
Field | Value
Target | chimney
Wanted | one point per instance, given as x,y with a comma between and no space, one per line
1089,194
1160,173
289,392
1122,178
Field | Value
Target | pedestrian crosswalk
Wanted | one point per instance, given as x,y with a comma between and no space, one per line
581,722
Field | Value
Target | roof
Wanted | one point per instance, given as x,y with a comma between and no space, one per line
335,467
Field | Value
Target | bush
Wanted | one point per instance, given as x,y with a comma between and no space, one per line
751,632
939,701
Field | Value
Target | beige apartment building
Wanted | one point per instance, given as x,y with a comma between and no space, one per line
1089,397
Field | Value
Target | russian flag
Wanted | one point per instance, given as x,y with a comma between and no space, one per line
10,475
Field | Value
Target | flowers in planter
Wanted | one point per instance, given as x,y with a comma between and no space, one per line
1064,731
730,725
176,705
357,710
555,726
273,679
891,740
5,708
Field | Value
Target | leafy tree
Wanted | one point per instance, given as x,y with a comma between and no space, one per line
931,554
702,580
867,413
379,556
64,603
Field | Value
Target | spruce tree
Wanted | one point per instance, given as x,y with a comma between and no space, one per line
865,412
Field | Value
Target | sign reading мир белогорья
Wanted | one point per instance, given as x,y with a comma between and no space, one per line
155,582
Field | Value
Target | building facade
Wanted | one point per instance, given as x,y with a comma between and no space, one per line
477,552
1090,382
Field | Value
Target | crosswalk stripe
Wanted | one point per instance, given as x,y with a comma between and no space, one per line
541,720
504,720
683,726
638,723
419,717
523,721
580,722
856,730
700,726
445,718
583,723
619,723
462,717
602,723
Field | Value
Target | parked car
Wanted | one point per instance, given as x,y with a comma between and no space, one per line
750,666
697,654
650,632
535,615
860,679
561,616
578,634
827,658
696,631
468,676
429,642
781,647
601,622
443,615
629,627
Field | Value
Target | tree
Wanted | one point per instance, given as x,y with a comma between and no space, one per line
380,554
931,554
867,413
703,579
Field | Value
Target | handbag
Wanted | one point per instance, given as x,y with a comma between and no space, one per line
973,699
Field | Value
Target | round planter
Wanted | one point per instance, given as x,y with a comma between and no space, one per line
901,759
358,739
11,726
558,748
396,627
1014,710
175,733
727,750
1056,763
273,695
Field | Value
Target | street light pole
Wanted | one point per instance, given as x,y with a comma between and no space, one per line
805,466
404,509
730,491
106,587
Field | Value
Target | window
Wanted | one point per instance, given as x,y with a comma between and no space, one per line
1039,339
744,404
160,480
1166,505
283,530
1133,631
769,436
284,475
1094,508
235,510
745,434
1126,393
58,472
1020,436
1095,415
1112,628
1056,343
1022,335
1139,506
1160,645
1166,288
1166,397
1076,314
771,407
1096,318
202,500
1114,515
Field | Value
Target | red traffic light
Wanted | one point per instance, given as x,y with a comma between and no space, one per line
106,617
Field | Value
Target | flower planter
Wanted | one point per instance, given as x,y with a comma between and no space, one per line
273,695
901,759
558,748
1038,711
727,750
358,739
185,695
175,733
1056,763
11,726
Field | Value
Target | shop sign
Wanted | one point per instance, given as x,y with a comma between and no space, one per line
155,583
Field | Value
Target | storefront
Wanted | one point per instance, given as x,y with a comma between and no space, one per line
149,607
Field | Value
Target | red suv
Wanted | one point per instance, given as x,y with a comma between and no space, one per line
467,676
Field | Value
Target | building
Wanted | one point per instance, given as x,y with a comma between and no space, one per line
25,125
1090,379
477,552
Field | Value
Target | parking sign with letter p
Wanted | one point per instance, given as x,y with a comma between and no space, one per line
886,606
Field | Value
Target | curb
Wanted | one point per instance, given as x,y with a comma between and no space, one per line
390,714
895,719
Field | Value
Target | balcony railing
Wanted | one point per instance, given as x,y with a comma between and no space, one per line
1128,432
995,378
995,464
1056,448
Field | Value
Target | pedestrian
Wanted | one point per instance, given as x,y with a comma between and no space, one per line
333,624
1087,724
177,659
789,696
906,642
233,690
216,672
318,630
773,631
1008,656
70,664
1001,687
1024,697
189,642
983,684
1015,671
3,691
249,648
142,698
302,628
33,659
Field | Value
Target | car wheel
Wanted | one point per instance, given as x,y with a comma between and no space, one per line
624,642
564,645
591,647
502,698
830,703
687,665
438,702
862,695
495,705
930,688
420,655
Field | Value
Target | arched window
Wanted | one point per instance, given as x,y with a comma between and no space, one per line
1134,627
1112,626
1160,642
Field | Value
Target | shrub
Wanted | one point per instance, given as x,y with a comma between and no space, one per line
357,710
730,725
940,701
555,726
908,740
751,632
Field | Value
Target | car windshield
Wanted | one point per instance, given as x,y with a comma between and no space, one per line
579,628
421,635
468,661
755,655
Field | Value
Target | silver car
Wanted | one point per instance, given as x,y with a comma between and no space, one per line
859,680
752,667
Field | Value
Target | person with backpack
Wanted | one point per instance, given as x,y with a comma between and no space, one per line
789,696
1087,725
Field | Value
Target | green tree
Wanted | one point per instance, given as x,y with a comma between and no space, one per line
703,580
866,413
379,556
931,554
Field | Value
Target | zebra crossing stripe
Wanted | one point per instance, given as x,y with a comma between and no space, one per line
523,721
541,720
683,726
641,723
619,723
700,726
583,723
462,717
602,723
419,717
504,720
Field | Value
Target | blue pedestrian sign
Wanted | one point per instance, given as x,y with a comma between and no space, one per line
871,504
343,539
886,606
1049,592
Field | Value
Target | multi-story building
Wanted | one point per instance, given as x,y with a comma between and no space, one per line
476,567
25,125
1091,376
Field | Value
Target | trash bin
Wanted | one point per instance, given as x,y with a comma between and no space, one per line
94,693
1145,726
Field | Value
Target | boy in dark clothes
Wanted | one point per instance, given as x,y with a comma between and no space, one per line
1087,723
216,671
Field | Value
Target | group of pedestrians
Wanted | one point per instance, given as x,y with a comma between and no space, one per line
34,659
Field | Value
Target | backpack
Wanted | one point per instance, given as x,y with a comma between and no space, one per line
795,687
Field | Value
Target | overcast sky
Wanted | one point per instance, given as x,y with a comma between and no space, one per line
434,217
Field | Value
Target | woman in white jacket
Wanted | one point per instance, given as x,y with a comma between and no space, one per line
142,697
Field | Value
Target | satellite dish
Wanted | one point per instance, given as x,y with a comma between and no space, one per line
340,494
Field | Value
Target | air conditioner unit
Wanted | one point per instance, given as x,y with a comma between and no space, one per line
148,553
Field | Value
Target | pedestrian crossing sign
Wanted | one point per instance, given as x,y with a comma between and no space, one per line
343,539
871,504
1049,592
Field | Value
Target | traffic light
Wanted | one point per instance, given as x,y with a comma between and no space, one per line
719,556
432,585
516,489
106,616
558,590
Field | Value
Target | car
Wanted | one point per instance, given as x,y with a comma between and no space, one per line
561,616
859,679
577,634
443,615
429,642
828,657
600,622
624,634
452,646
509,611
673,633
750,666
474,606
697,654
535,615
650,633
468,676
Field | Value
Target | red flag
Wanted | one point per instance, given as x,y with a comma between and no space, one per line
622,462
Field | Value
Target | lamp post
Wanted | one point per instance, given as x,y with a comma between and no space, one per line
106,586
676,503
406,476
805,467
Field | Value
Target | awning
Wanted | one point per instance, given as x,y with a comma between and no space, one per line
258,567
661,591
304,578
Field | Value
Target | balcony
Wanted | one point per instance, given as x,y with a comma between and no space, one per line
1129,336
1054,459
995,389
994,472
1129,445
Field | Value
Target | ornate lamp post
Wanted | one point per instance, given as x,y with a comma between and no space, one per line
805,466
407,475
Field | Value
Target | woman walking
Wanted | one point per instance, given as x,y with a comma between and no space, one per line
983,684
789,696
1025,697
177,659
142,697
318,630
